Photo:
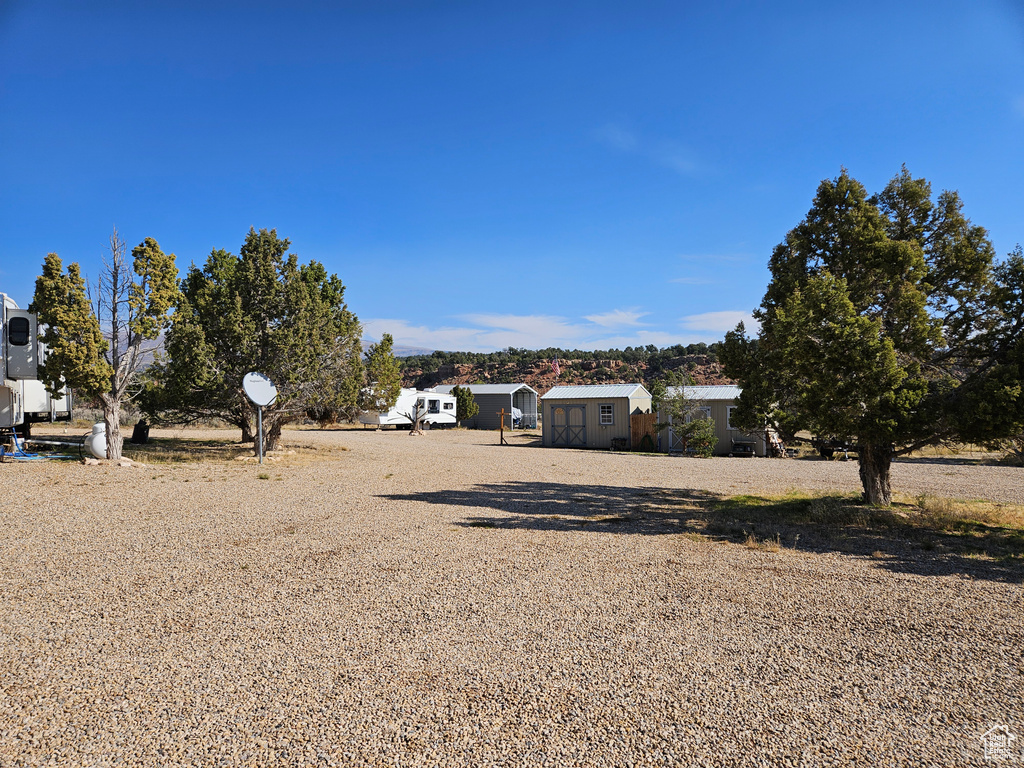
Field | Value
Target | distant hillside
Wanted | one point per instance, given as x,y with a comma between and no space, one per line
400,351
644,365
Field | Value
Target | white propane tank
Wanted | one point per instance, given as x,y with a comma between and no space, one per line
96,442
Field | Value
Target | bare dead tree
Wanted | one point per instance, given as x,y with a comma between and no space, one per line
131,301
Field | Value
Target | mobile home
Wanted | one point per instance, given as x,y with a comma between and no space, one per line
438,410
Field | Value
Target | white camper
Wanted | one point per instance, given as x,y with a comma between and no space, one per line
438,410
23,398
19,360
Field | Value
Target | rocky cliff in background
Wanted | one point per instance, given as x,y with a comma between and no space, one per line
702,369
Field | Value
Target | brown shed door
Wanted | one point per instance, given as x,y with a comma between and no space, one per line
569,425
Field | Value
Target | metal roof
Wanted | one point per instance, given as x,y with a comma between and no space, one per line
486,389
712,392
596,391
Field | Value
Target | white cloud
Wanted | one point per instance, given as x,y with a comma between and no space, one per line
523,324
669,154
618,318
487,332
719,322
408,335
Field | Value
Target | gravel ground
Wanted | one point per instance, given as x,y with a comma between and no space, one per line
417,601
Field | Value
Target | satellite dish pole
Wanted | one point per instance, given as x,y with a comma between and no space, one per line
261,392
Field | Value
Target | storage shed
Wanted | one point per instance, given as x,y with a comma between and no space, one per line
492,398
592,416
715,402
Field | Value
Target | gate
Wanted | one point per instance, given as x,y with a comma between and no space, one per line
569,426
643,431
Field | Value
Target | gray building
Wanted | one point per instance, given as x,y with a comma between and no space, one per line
713,402
493,398
593,415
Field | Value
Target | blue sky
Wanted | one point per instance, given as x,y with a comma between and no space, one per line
484,174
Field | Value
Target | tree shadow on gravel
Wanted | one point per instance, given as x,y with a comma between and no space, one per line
904,539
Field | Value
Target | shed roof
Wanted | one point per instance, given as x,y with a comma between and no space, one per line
597,392
712,392
485,389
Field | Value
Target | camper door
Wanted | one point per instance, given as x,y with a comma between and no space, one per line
20,347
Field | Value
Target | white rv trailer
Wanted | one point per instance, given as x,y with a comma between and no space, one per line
19,360
438,410
40,405
23,397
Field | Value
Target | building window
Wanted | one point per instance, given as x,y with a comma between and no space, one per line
699,413
729,420
607,414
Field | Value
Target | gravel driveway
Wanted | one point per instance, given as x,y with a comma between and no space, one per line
415,601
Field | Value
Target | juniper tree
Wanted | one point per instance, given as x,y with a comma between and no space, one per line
258,311
870,326
383,376
465,404
101,349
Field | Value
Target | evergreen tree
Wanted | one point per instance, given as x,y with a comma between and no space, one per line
383,376
870,325
465,403
131,311
258,311
75,347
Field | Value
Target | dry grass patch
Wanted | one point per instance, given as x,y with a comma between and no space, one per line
952,514
177,450
979,530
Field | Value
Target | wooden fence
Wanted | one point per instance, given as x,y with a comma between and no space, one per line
643,425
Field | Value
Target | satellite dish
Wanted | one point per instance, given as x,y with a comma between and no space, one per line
259,388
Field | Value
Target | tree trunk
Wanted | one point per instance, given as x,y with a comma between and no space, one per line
875,461
271,436
112,419
248,435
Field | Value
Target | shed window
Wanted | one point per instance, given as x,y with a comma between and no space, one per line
17,331
607,412
731,409
699,413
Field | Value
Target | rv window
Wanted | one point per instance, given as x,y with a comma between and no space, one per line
17,331
435,406
449,406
